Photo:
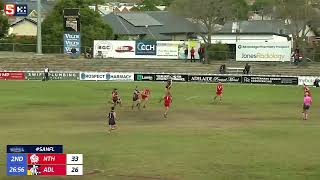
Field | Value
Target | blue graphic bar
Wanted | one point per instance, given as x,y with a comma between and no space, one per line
17,170
16,159
34,148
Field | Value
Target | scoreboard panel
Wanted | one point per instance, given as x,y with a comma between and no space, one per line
42,160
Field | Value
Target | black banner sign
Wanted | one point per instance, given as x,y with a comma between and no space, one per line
270,80
214,79
174,77
144,77
71,20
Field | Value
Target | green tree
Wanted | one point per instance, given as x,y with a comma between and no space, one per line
4,24
298,14
209,13
1,5
92,25
166,2
264,7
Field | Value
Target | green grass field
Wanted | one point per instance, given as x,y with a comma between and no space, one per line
256,133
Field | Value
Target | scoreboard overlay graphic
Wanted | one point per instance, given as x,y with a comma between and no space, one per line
42,160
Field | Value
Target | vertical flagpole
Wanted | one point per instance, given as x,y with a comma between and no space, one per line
39,40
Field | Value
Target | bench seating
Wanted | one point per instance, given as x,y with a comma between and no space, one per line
235,70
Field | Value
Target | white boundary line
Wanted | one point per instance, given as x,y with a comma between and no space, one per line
192,97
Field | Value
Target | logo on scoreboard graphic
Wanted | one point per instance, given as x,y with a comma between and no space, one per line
34,159
16,9
33,171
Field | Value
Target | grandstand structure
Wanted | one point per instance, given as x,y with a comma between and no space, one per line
32,62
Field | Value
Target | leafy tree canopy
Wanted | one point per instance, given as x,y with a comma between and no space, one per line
92,25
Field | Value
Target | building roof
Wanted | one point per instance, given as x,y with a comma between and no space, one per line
19,20
257,27
156,24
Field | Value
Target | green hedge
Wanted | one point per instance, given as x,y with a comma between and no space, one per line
218,52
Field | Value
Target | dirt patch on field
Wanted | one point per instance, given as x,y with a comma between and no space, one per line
177,118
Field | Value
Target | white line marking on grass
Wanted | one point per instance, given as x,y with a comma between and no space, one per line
192,97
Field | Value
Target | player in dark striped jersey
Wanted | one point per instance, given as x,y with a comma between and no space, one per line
112,120
136,98
169,84
116,98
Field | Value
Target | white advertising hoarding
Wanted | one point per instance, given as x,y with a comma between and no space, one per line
144,49
266,51
168,49
114,49
106,76
307,80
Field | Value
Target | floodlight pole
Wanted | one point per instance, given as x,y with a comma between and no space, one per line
39,39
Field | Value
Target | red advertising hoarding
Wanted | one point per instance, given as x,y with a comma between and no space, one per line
47,170
47,159
11,75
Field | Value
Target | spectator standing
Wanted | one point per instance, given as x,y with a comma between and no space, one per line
192,52
296,56
201,53
46,73
186,51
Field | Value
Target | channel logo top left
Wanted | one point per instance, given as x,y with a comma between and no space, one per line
16,9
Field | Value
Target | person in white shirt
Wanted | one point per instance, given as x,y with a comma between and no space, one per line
46,73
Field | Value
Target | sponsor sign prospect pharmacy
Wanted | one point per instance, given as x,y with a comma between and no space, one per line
267,51
106,76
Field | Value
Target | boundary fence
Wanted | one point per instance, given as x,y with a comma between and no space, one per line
158,77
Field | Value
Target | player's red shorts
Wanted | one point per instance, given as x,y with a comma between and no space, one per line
219,93
144,97
166,104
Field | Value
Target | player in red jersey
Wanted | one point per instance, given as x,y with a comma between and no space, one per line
145,96
307,89
167,102
219,91
115,97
